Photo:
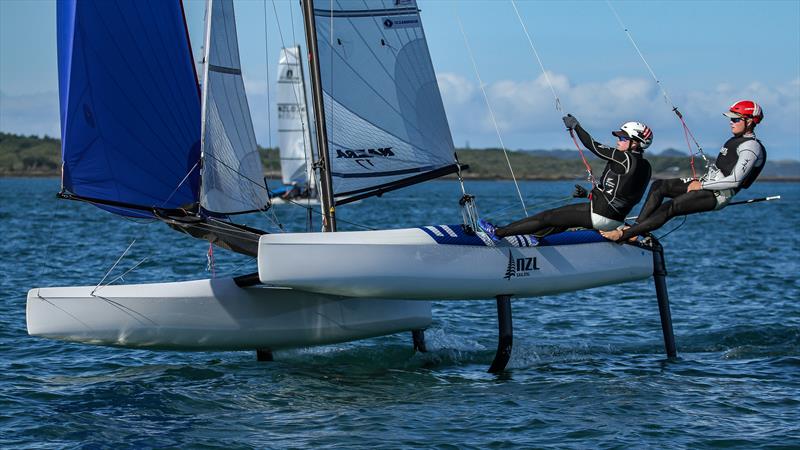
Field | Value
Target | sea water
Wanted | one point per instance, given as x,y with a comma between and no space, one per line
587,368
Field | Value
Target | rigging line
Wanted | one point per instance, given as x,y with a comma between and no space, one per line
630,38
266,57
126,272
113,266
661,86
180,184
237,268
553,90
236,171
532,205
662,237
291,21
583,158
491,111
314,210
536,53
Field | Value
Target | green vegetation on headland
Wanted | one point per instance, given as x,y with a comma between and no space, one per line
37,156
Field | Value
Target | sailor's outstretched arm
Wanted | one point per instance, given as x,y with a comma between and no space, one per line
602,151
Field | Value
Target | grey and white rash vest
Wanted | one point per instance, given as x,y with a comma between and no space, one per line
738,164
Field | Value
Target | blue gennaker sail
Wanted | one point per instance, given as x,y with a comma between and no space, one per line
130,105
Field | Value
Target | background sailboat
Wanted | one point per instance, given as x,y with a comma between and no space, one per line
294,137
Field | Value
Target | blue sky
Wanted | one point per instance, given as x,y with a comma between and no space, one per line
707,55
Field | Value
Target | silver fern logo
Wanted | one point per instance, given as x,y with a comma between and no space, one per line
511,268
520,267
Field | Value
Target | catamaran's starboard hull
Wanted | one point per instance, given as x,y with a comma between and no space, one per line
213,315
443,262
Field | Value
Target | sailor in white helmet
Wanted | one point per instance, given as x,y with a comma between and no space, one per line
737,166
619,188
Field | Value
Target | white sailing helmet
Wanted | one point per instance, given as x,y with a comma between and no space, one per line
636,130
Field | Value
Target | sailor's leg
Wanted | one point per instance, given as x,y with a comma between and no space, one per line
575,215
506,334
669,188
688,203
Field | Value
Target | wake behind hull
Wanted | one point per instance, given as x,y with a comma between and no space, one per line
213,315
443,262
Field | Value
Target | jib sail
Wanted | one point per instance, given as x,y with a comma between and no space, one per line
233,180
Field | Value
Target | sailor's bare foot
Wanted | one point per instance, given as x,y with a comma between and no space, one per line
613,235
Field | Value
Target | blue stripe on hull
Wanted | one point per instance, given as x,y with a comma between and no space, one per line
441,236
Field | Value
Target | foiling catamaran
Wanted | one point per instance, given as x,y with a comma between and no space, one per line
141,137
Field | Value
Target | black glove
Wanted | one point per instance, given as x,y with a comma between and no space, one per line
570,121
579,192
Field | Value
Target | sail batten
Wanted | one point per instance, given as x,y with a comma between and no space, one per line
382,107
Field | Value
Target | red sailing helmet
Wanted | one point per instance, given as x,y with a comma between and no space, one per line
747,109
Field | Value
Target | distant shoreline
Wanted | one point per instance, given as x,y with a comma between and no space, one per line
466,177
40,157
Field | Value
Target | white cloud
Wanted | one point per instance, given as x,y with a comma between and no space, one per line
526,115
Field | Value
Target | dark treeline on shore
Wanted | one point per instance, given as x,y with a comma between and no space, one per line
40,156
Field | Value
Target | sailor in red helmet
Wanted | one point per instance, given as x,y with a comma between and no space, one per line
620,187
737,166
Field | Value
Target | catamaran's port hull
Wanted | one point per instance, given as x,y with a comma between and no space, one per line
213,315
411,264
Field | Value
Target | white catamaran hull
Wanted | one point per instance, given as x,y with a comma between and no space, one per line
443,262
213,315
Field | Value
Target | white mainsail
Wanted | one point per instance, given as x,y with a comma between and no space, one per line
232,177
383,111
293,128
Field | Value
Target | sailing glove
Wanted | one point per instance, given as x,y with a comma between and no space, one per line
570,121
579,191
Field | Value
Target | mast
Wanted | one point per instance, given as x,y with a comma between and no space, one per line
204,91
326,188
310,181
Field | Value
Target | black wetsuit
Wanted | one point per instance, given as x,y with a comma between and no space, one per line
738,165
620,187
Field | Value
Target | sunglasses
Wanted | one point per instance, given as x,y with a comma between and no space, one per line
623,138
736,119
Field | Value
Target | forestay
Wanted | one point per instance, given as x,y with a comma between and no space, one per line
293,128
385,121
130,106
232,172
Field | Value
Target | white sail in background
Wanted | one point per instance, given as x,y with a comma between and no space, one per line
383,110
293,128
232,177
